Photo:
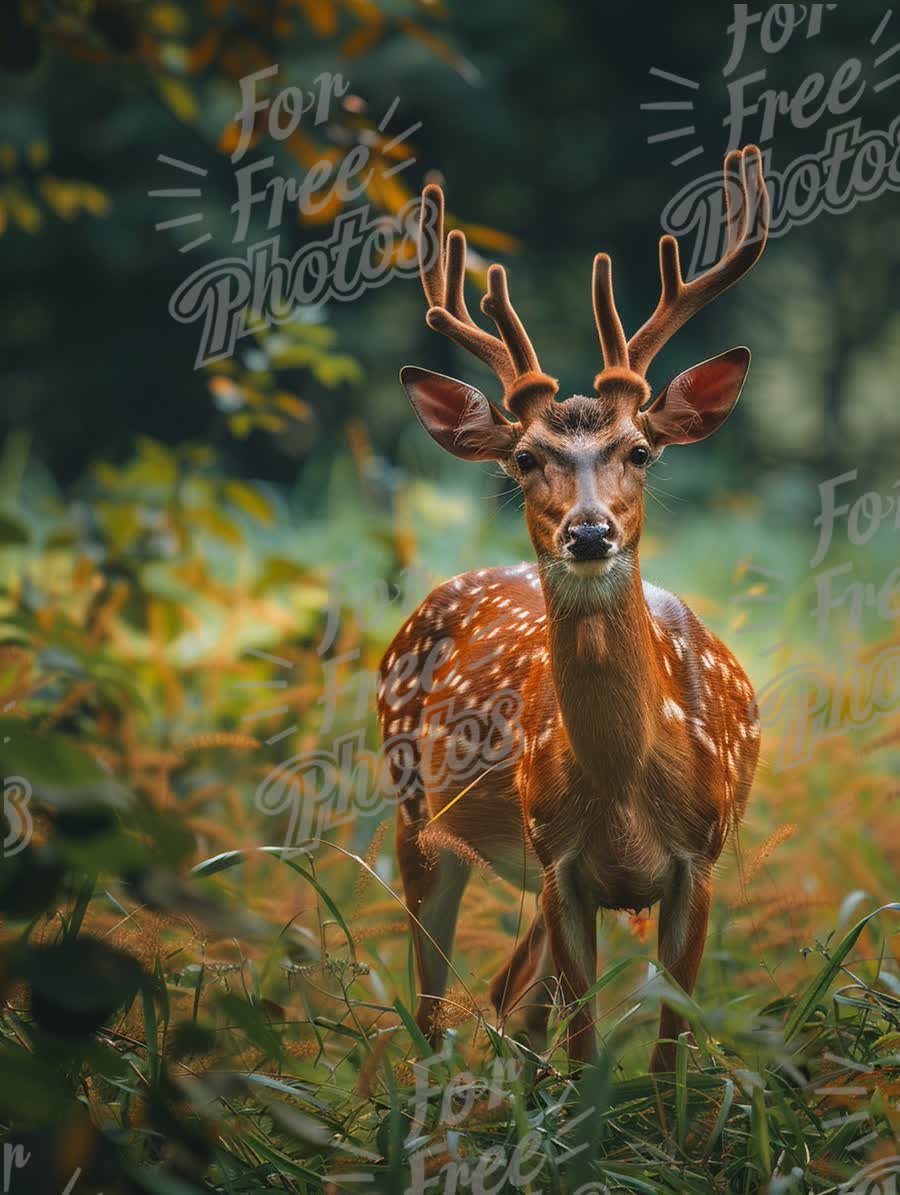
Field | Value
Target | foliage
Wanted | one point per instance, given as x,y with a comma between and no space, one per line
196,994
190,1005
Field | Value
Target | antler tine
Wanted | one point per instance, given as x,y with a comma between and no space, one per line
735,207
609,326
497,305
747,224
431,244
510,355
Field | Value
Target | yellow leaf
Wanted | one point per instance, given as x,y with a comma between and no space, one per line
179,98
122,522
211,520
58,196
241,425
250,501
155,465
270,422
25,213
38,153
168,18
94,200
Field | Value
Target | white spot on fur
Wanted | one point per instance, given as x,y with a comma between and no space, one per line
702,736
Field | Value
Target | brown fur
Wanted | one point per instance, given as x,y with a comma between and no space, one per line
578,730
637,737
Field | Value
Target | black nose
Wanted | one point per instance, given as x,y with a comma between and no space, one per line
589,541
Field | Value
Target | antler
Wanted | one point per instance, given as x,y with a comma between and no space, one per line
747,223
526,389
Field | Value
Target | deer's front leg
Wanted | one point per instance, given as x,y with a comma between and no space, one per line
570,914
683,920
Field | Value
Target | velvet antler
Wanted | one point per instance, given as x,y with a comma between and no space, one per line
747,225
526,389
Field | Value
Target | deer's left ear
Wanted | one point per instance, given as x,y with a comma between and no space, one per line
699,400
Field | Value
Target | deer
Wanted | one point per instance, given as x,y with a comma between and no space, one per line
564,723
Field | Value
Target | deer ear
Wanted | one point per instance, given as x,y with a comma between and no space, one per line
457,416
699,400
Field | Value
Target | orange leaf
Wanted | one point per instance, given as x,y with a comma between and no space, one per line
442,50
202,54
491,238
361,41
322,215
322,16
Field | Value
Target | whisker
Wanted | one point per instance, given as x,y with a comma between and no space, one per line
651,494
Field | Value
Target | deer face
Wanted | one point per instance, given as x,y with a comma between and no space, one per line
582,464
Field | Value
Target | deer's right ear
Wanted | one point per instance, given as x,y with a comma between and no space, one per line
457,416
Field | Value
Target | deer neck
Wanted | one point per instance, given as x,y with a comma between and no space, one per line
602,659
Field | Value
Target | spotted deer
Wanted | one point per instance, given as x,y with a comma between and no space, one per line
625,751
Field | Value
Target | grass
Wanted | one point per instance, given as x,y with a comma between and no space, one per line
188,1006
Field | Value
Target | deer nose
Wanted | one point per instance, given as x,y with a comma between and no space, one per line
589,541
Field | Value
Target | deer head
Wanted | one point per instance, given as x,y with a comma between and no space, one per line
582,463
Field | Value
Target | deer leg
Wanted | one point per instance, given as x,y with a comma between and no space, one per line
683,920
433,884
570,915
523,990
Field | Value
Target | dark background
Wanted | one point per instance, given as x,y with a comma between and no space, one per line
541,138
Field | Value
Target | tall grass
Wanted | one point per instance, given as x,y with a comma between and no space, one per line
194,1002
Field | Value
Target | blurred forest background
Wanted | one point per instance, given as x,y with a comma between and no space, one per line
176,542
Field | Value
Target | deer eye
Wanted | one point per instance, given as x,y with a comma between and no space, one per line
525,461
639,455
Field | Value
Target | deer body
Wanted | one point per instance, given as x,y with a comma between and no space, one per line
566,723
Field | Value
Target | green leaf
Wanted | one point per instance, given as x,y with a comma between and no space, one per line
55,769
12,531
759,1132
418,1037
681,1091
229,859
817,988
77,984
721,1119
